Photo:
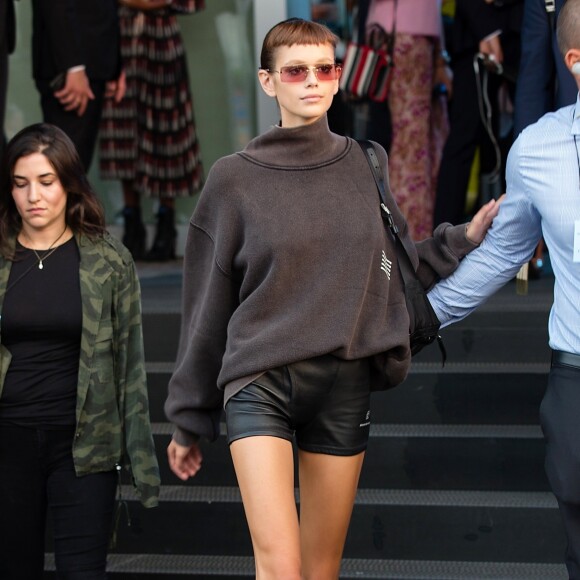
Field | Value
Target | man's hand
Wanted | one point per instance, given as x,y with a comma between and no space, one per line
482,220
76,93
492,47
184,461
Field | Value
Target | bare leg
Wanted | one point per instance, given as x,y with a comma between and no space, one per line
265,470
328,485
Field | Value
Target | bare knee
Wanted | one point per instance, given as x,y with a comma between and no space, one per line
322,570
275,566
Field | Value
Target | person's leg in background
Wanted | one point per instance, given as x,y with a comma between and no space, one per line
465,129
82,130
416,147
134,233
163,247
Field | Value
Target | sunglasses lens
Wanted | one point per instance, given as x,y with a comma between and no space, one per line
293,74
326,72
298,74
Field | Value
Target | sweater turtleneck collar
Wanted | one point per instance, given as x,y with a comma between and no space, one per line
303,147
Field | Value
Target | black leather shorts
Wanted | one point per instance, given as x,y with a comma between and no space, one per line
324,402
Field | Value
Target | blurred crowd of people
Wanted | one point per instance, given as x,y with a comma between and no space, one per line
461,91
128,96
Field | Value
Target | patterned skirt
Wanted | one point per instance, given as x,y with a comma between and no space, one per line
149,138
420,128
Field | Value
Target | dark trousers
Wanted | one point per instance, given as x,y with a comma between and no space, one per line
561,427
37,479
83,131
466,132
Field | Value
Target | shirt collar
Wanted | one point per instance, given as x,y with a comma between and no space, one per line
576,119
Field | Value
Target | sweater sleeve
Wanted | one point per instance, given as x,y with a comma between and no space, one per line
210,296
439,256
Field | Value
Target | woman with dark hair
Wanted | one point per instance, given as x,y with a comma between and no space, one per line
294,311
73,398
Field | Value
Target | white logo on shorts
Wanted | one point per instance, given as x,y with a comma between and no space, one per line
367,420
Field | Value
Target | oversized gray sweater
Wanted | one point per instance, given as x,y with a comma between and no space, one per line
287,258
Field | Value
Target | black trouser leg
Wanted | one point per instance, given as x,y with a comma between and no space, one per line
83,131
22,505
37,474
466,133
559,419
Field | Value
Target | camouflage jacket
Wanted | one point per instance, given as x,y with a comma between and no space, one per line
112,410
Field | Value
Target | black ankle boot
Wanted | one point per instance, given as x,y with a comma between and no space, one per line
163,248
134,234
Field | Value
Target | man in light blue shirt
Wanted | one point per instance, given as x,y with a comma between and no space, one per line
543,198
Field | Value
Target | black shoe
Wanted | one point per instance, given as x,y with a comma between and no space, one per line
163,248
134,234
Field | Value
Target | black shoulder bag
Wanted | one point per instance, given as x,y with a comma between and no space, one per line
423,322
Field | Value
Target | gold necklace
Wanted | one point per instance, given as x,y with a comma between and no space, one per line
49,251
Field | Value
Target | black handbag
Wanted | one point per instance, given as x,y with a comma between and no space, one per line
423,322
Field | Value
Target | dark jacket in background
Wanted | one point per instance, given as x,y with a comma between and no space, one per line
476,19
7,45
66,33
7,25
544,83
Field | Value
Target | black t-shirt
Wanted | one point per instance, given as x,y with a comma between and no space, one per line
41,327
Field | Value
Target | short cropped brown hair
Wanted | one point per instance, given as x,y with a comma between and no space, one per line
568,27
290,32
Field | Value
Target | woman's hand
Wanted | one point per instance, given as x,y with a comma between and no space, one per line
116,89
482,220
184,461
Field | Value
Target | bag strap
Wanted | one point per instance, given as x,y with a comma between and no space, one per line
407,269
408,273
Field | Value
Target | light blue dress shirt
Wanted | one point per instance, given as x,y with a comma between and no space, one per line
543,198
